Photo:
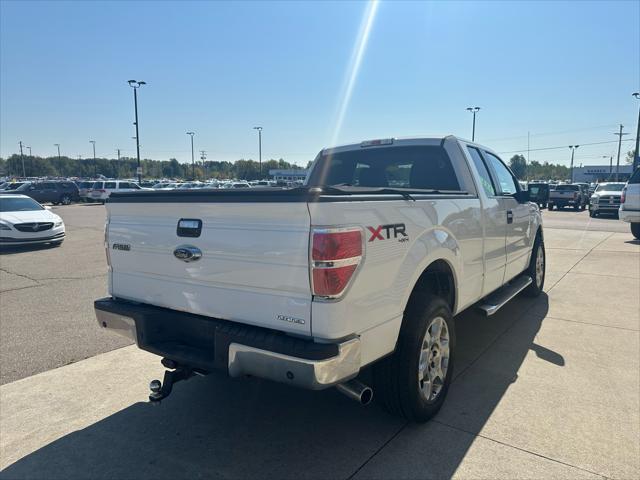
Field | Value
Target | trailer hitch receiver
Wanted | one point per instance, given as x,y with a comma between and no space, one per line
162,390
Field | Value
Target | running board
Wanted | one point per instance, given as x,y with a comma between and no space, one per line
499,298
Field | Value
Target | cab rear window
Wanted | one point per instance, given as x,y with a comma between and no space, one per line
411,167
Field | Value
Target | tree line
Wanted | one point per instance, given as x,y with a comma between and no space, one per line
535,170
126,168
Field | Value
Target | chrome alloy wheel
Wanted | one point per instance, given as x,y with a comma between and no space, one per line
434,359
539,265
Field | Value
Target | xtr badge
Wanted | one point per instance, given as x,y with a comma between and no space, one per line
385,232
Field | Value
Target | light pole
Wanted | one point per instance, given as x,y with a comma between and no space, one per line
636,157
573,150
619,134
473,110
24,172
136,84
95,168
259,129
193,162
57,145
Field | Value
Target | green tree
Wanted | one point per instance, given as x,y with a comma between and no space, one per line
629,157
518,165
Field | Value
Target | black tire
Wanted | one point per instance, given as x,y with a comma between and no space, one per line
537,285
395,377
544,205
635,230
65,200
582,207
550,206
593,213
55,203
576,208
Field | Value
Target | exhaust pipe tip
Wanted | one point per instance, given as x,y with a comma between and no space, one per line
357,391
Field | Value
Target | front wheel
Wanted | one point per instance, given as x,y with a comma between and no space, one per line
413,382
65,200
537,268
635,230
593,213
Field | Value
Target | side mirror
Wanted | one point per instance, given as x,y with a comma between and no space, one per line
522,196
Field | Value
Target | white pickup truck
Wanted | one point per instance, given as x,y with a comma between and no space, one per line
365,265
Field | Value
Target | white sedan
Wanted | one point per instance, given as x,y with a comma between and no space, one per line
23,221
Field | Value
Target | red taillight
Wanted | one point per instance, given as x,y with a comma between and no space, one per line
335,256
624,195
102,191
337,245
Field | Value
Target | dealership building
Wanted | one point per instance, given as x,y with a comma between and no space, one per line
290,175
601,173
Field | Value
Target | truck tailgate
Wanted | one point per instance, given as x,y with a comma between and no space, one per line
254,266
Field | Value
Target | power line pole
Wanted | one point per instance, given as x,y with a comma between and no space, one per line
118,164
24,172
57,145
619,134
203,156
528,146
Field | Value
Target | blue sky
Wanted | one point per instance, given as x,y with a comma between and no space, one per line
562,71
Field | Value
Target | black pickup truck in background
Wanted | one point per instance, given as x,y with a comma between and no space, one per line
539,193
572,195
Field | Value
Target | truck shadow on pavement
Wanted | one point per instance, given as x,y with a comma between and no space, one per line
247,428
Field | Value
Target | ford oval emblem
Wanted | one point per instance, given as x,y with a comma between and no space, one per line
187,253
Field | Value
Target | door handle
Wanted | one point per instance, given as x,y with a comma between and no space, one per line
509,216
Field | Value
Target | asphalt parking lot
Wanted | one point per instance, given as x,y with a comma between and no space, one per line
545,388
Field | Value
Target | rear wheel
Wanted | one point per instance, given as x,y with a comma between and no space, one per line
550,206
537,268
65,200
635,230
413,382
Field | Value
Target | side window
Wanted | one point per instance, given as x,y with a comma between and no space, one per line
485,178
108,185
135,186
506,181
48,186
123,185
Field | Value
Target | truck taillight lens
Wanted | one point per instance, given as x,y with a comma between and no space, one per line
623,196
335,256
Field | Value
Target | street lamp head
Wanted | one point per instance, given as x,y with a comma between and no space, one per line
191,133
257,128
636,94
473,109
142,83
